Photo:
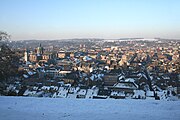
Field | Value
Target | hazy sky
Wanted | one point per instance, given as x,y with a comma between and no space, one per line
57,19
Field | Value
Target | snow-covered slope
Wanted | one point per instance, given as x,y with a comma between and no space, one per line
22,108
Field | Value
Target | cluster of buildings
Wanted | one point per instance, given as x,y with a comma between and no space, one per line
118,69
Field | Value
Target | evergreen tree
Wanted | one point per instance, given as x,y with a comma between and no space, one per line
8,60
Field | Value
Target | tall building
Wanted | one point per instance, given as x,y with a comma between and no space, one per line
26,55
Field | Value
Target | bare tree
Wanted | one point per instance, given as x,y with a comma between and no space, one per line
4,36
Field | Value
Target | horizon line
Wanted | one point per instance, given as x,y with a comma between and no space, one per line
96,38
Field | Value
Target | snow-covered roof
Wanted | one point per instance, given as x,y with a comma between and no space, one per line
129,80
149,93
28,92
25,76
28,63
107,67
67,85
30,73
73,89
62,92
115,93
166,77
35,88
139,93
128,85
54,87
155,87
96,77
91,92
121,77
46,87
82,92
87,58
142,75
64,72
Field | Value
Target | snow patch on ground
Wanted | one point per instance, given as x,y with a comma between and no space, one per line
30,108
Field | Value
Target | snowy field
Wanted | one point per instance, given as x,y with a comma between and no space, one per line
29,108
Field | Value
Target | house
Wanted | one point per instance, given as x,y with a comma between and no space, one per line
62,92
102,93
92,92
69,78
150,95
121,88
81,93
64,54
52,72
46,88
139,94
117,94
110,79
72,93
29,93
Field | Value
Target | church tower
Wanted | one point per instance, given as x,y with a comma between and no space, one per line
40,50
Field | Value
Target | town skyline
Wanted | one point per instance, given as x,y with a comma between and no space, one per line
44,20
90,59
